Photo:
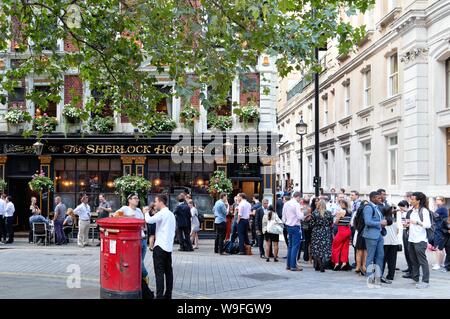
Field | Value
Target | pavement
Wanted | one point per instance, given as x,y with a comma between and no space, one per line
28,271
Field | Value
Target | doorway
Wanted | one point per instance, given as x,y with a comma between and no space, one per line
21,197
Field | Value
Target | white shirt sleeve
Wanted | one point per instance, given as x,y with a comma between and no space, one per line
426,218
153,219
77,210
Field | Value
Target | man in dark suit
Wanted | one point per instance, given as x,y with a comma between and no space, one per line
183,216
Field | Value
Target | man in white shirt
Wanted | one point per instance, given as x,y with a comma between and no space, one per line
419,221
9,216
162,251
244,210
84,213
2,218
133,211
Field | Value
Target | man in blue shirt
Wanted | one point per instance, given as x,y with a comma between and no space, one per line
374,223
220,210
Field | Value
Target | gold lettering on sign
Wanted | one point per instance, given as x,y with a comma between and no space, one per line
108,149
147,149
116,149
140,149
169,149
160,149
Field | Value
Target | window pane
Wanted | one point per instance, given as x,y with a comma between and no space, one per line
395,84
92,164
59,164
104,165
81,164
448,82
164,165
153,165
70,164
116,165
393,140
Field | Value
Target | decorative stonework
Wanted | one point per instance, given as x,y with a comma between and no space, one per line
413,54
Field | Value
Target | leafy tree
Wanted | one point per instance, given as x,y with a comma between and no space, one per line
122,46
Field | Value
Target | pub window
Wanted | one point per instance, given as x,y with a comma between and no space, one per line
50,108
164,105
223,107
17,95
74,177
97,94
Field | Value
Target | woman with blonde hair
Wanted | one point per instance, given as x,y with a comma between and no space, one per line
320,224
34,208
68,223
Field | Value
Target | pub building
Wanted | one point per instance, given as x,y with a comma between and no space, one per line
89,163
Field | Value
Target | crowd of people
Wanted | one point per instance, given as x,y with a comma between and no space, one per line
325,228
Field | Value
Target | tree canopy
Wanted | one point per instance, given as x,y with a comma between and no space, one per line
121,47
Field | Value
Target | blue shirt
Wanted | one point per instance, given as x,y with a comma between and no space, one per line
220,212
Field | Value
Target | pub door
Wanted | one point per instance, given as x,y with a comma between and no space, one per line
21,197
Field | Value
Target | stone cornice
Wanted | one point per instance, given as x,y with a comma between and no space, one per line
345,120
328,127
391,120
365,111
391,99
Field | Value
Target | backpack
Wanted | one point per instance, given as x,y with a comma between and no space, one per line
358,222
430,231
230,247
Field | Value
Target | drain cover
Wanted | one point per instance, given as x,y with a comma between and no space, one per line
264,276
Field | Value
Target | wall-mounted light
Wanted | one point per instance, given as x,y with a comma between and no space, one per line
110,184
38,147
200,182
82,183
66,183
157,182
266,61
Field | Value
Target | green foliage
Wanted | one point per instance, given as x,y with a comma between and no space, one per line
219,183
188,114
248,113
73,113
128,184
17,116
101,124
41,183
160,122
3,185
196,46
221,122
44,124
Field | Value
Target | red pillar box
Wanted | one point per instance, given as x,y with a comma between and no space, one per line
120,258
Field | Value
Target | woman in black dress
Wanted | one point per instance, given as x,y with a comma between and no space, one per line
360,245
321,235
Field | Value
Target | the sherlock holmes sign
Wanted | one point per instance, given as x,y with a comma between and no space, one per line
120,149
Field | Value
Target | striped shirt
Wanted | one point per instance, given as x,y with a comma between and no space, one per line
345,221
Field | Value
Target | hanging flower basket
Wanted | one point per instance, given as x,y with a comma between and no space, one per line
247,114
3,185
128,184
41,183
219,183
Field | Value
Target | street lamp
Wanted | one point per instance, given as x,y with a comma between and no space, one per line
38,147
301,129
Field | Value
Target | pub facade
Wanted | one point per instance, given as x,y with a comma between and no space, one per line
80,161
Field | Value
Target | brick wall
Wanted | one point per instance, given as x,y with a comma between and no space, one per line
69,45
73,86
249,88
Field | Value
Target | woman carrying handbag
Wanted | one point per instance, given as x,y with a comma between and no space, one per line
272,227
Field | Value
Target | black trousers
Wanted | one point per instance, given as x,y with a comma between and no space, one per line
406,248
184,236
390,258
304,246
162,264
221,231
243,234
253,229
260,239
419,259
9,229
2,228
447,253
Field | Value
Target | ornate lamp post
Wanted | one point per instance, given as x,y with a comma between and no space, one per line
301,129
38,147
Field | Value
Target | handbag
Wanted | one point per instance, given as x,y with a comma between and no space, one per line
274,226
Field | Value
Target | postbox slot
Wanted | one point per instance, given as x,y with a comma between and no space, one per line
114,231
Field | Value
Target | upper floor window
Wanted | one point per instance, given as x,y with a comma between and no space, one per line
50,108
393,74
325,110
447,69
366,158
393,160
347,99
367,81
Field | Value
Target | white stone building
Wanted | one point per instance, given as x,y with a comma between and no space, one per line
384,109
